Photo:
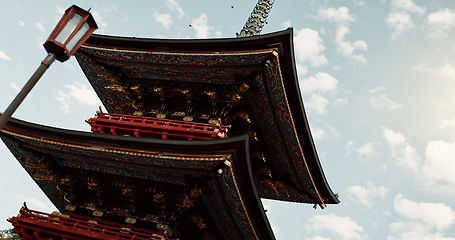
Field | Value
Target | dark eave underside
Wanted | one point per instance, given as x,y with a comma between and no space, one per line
30,142
282,42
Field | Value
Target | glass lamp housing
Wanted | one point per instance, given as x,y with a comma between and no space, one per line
72,30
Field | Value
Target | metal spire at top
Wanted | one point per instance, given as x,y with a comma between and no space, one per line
257,19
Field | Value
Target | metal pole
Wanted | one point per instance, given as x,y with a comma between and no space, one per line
45,64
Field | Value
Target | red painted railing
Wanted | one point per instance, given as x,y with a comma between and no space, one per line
31,225
150,127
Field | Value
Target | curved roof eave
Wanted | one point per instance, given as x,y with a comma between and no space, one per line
239,145
281,40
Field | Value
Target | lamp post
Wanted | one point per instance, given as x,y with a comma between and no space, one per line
71,32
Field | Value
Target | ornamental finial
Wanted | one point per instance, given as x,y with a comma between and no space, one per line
257,19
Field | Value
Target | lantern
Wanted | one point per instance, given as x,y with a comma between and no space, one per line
72,30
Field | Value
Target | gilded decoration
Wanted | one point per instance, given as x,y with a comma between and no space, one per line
244,86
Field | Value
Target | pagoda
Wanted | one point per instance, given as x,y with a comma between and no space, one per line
196,133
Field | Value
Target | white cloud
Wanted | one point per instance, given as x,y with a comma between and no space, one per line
447,123
321,82
343,227
309,47
407,5
79,93
365,151
302,70
318,238
341,101
317,133
445,71
347,48
21,23
405,155
393,138
3,56
399,22
201,26
340,15
83,95
343,18
405,230
378,99
15,87
443,19
40,26
317,103
359,3
423,220
173,5
399,19
441,22
60,10
286,24
64,100
367,195
275,229
163,18
102,25
323,131
437,174
31,202
315,86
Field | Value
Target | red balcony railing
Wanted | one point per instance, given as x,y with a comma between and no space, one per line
30,224
150,127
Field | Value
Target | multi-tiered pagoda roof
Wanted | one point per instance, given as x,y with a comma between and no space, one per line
210,189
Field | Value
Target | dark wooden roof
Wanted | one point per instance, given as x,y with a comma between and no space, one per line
151,180
284,158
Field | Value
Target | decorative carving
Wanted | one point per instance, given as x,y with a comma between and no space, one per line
162,94
40,165
195,193
111,78
189,94
130,220
67,181
253,135
159,197
90,205
178,114
117,88
93,183
97,213
128,191
264,171
187,203
199,221
138,89
70,208
243,88
214,96
259,154
235,98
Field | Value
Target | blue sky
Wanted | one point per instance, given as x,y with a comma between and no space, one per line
377,78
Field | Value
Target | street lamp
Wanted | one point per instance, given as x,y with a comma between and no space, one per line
71,32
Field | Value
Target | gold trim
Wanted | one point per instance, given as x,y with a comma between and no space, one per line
153,154
297,137
183,53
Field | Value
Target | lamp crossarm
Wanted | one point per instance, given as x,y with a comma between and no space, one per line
4,118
